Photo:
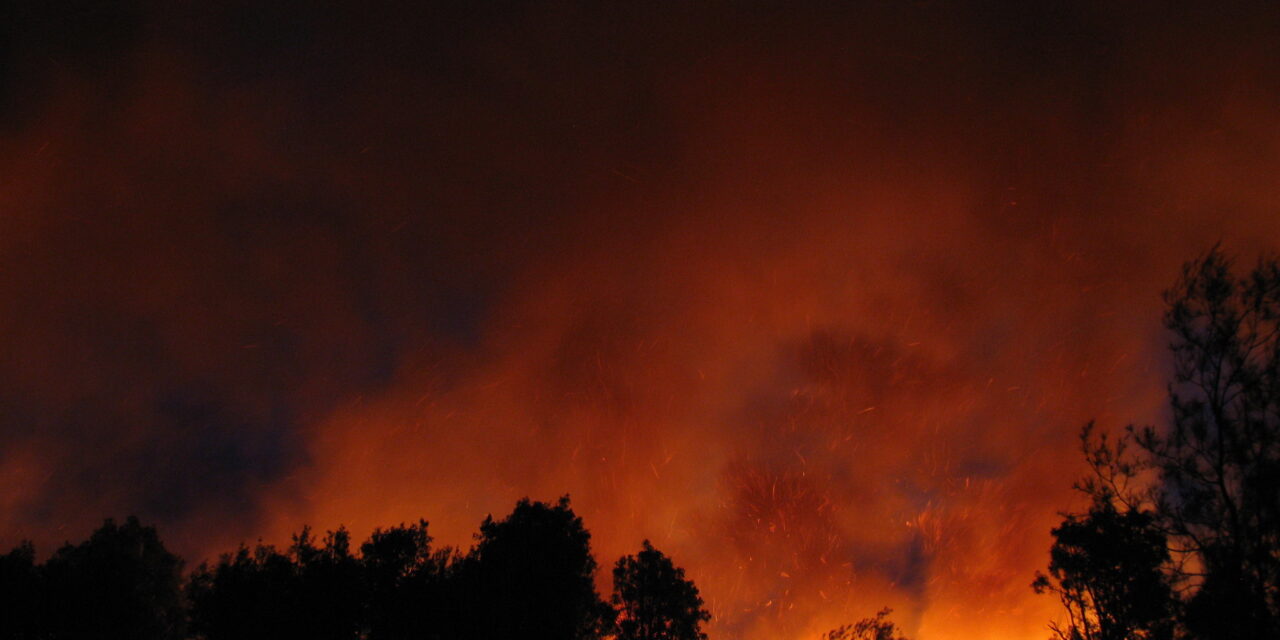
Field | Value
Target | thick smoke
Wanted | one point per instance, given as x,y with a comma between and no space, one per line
816,301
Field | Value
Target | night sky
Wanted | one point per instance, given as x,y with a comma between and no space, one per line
815,299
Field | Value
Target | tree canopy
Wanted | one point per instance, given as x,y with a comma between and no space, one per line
120,583
1107,568
1205,486
532,575
654,600
529,575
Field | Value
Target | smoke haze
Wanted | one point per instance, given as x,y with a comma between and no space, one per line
817,301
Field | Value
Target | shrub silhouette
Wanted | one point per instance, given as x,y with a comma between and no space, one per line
876,628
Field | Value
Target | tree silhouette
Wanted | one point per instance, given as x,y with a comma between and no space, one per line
1216,467
532,576
1106,568
406,581
877,628
654,600
330,597
247,595
313,592
120,583
20,594
1220,462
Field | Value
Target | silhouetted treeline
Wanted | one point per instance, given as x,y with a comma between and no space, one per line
1181,539
120,583
1182,536
530,575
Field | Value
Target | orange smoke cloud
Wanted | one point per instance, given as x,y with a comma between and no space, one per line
867,397
817,303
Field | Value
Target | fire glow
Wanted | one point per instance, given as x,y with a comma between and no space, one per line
823,324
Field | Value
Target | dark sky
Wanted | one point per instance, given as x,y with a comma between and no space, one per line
268,263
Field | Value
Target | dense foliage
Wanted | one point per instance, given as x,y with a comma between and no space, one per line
530,575
1183,538
654,600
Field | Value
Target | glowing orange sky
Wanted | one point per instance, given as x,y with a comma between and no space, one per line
816,303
